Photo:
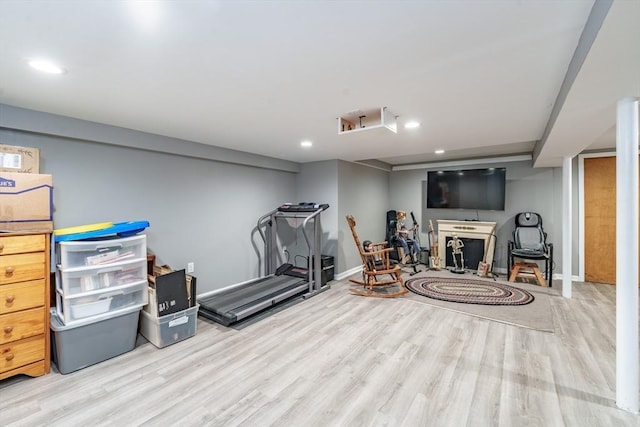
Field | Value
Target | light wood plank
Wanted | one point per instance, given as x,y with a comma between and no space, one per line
340,359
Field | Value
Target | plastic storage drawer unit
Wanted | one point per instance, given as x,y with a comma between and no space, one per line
75,281
75,254
79,346
97,305
169,329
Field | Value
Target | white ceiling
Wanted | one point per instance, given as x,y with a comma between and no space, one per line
482,77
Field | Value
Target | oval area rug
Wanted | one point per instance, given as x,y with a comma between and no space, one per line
468,291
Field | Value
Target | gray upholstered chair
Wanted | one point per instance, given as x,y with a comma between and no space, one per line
529,245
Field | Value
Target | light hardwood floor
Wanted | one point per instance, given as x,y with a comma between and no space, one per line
343,360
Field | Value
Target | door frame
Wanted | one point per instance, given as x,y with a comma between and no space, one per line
581,207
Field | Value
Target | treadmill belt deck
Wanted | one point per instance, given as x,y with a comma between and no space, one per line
235,304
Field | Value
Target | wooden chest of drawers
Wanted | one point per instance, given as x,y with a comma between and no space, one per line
24,304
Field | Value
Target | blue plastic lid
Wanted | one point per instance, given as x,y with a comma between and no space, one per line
120,229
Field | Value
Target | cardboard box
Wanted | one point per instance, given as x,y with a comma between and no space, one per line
19,159
26,202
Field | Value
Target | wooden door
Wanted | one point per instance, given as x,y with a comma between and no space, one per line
600,219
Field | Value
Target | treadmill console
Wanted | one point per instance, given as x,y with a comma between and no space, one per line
302,207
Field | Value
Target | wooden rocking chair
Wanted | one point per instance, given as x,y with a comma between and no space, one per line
380,278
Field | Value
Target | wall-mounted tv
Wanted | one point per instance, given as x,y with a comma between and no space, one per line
479,189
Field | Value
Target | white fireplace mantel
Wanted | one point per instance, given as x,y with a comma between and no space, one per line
469,230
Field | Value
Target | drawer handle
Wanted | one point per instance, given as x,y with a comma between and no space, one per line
109,248
10,299
1,246
9,270
9,357
8,329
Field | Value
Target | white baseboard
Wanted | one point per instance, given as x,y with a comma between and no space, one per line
348,273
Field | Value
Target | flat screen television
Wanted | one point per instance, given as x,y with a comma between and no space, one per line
478,189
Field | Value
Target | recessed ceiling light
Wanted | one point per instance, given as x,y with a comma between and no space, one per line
306,144
45,66
439,151
148,14
411,125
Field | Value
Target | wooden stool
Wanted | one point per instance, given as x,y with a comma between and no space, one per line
528,270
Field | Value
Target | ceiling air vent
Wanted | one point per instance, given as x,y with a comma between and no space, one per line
363,120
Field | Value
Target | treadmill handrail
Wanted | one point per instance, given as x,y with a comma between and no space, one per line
307,217
311,266
287,215
262,218
304,225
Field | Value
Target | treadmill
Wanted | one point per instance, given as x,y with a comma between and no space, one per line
240,301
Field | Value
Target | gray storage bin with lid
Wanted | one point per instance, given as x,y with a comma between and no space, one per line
85,344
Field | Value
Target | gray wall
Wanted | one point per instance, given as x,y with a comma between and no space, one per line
363,192
527,189
318,182
200,210
203,202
